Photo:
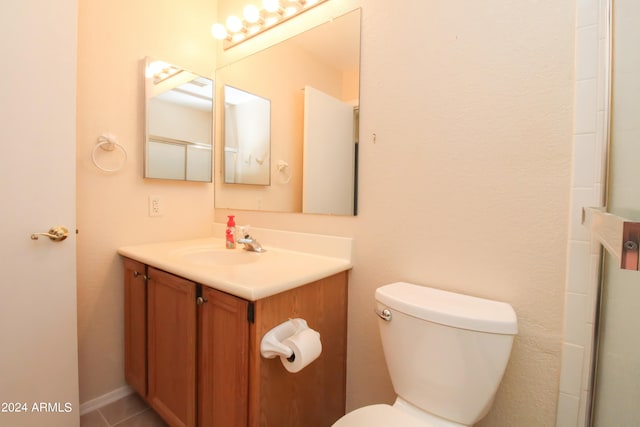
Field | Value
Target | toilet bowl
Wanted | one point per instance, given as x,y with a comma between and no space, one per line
446,354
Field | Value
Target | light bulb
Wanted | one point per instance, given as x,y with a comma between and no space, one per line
234,24
152,69
251,14
155,67
271,5
290,11
219,31
269,21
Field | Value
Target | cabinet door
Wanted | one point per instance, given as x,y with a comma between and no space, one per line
135,326
223,361
171,320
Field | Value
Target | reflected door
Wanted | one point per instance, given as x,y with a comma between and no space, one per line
329,155
617,388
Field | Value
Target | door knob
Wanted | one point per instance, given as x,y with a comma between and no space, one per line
57,234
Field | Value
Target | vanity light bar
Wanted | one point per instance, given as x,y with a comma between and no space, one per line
256,21
161,71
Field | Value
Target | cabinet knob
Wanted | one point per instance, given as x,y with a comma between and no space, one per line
201,300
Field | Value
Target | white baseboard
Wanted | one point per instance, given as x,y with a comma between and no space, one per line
105,399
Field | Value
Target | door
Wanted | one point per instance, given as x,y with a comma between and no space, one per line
329,155
617,387
38,348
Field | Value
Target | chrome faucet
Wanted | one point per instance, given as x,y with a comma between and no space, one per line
251,244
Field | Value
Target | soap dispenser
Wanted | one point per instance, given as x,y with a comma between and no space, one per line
230,233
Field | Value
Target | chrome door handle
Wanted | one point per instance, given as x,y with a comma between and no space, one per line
384,314
57,234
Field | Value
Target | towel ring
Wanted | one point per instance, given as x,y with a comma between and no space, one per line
108,142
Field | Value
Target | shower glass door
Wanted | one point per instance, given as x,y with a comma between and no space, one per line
617,386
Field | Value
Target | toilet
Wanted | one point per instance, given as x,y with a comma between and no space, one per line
446,354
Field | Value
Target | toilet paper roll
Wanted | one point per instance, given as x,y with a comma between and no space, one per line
306,348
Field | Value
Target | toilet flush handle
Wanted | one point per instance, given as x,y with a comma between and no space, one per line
384,314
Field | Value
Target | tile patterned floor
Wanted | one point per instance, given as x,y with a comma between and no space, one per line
130,411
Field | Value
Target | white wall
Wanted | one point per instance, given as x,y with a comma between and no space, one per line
181,122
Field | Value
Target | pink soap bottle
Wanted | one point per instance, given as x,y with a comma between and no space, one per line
230,234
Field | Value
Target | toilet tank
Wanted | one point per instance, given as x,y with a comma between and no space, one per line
446,352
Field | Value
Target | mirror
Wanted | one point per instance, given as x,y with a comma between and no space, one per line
312,82
247,133
179,120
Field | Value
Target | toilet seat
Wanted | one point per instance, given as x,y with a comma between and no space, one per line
380,416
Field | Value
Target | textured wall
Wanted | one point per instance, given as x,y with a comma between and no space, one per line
466,186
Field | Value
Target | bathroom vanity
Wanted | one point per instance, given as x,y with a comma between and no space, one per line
194,319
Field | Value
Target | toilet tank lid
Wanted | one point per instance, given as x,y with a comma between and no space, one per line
448,308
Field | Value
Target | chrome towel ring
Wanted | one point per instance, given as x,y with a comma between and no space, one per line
108,142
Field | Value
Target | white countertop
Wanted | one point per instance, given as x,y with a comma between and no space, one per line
248,275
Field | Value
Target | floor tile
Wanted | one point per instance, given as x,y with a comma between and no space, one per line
146,419
123,409
93,419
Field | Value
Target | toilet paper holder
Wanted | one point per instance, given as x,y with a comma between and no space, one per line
271,345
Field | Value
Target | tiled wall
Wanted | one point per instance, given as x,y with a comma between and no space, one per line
589,159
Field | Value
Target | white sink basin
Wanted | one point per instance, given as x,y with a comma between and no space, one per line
293,259
212,256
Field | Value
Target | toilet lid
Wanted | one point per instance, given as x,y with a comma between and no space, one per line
379,416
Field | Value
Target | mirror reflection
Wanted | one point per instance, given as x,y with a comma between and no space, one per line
179,116
312,81
247,132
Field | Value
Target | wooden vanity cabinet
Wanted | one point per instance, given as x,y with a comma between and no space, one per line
202,352
315,396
